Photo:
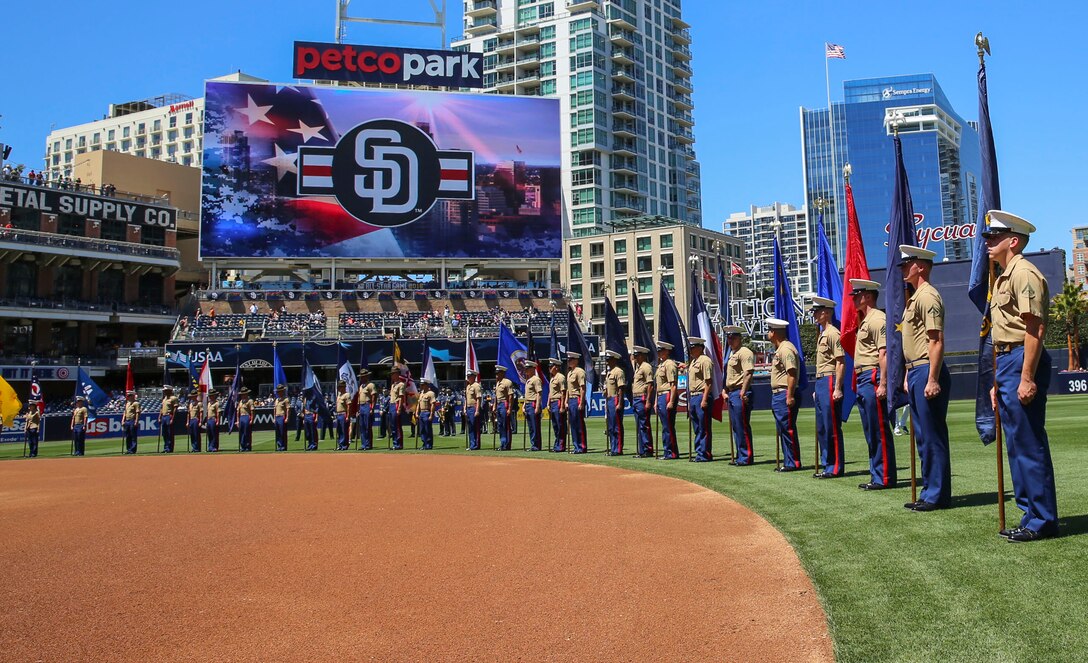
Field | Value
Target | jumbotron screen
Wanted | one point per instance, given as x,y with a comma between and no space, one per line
311,172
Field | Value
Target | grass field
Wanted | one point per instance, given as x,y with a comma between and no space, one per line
896,585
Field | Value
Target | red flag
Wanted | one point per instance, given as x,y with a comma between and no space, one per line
130,383
708,276
856,268
735,269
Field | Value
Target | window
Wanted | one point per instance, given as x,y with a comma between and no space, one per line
547,32
596,270
547,68
597,290
643,243
669,282
645,285
70,224
576,291
585,158
547,50
188,118
621,307
620,266
621,286
694,241
115,231
619,246
588,216
702,243
68,144
111,134
645,264
547,88
575,251
68,282
22,279
665,241
666,260
125,132
126,145
582,137
96,139
576,271
150,288
581,25
156,125
111,285
647,306
598,311
584,196
580,41
596,249
583,177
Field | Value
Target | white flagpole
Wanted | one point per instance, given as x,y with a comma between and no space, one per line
834,156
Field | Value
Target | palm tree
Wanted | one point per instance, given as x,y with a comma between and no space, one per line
1068,307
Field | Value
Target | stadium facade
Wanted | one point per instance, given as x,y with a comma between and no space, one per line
940,153
622,72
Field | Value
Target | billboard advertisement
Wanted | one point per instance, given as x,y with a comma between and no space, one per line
323,172
387,64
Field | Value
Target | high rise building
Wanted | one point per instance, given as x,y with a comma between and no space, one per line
622,72
756,227
940,153
1080,256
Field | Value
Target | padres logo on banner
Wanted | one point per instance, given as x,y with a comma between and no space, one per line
386,173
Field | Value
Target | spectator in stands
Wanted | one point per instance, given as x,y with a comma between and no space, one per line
253,308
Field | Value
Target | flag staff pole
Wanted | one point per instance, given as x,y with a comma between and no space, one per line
834,155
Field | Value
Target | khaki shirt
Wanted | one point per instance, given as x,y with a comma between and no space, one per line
741,363
534,388
503,390
923,313
666,376
195,410
426,401
614,382
79,416
700,373
280,406
367,393
169,405
786,358
396,393
828,351
473,392
213,410
245,407
872,338
33,419
1020,289
558,387
643,380
576,382
343,401
131,413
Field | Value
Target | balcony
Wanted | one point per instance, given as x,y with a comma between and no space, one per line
626,129
526,42
481,8
617,16
86,311
625,56
481,26
504,63
624,147
623,92
528,76
683,118
622,37
582,5
529,58
682,37
681,101
624,166
623,74
679,51
628,204
683,135
626,185
682,69
682,85
64,248
505,83
505,45
677,21
623,110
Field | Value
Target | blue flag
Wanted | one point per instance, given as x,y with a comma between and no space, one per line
643,335
616,341
670,329
723,296
555,351
278,376
311,390
511,355
87,388
576,342
900,231
784,310
231,406
829,285
545,385
978,287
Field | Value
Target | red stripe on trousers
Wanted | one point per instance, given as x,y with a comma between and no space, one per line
883,438
834,428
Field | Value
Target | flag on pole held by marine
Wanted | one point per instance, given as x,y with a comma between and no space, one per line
311,390
784,309
231,406
700,325
343,369
94,394
471,364
857,267
828,285
511,355
642,335
576,342
36,391
555,348
530,343
130,381
278,375
978,287
616,341
205,383
428,374
10,405
669,327
900,231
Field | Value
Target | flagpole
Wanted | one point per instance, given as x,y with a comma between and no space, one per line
834,156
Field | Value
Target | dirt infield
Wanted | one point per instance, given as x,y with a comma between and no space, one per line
384,557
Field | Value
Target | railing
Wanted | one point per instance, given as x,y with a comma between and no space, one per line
87,244
105,190
83,305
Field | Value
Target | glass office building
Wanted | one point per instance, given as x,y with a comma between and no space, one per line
940,153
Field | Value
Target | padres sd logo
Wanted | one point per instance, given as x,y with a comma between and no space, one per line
386,173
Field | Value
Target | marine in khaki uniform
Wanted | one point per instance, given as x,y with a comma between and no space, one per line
557,405
398,402
1021,311
785,403
281,412
32,425
213,418
244,420
870,368
576,402
642,400
700,400
615,384
167,414
343,404
534,393
194,418
130,422
504,397
79,426
828,390
739,369
928,380
425,406
665,386
474,394
368,404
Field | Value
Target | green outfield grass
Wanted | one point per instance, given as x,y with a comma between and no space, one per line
897,585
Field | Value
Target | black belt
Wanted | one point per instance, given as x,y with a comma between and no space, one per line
1006,348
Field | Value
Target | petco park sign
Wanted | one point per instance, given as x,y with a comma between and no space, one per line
926,236
385,64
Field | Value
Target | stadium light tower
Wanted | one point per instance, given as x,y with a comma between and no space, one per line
342,19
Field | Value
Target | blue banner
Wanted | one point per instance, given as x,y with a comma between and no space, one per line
511,354
670,329
94,394
829,285
900,231
784,310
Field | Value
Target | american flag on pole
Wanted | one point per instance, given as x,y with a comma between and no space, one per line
835,51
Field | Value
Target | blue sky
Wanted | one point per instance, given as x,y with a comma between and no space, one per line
755,64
